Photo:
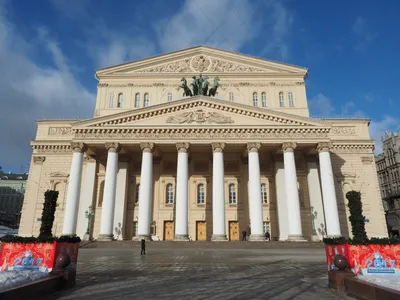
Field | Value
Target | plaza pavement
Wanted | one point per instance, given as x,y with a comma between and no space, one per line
203,271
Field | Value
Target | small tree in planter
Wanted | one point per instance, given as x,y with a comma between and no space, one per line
49,208
356,218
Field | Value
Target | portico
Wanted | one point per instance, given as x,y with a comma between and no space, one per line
166,157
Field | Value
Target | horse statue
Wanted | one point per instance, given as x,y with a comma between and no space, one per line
213,90
187,91
194,86
204,86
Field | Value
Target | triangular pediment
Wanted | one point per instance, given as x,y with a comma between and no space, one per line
202,59
201,111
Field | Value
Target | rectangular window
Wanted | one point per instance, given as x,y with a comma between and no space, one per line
232,194
135,228
266,227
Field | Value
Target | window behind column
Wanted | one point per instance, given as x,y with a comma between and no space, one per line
169,190
137,193
232,194
266,227
200,194
290,97
264,194
111,100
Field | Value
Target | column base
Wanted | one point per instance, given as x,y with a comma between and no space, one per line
315,238
219,238
257,238
105,237
296,238
282,239
334,236
144,237
181,238
86,237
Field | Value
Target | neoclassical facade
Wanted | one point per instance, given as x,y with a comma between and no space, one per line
154,163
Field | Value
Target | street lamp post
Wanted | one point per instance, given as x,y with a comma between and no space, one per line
88,215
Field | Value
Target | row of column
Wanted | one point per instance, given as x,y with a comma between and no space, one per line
218,195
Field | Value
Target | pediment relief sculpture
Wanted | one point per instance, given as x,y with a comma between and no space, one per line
200,63
200,117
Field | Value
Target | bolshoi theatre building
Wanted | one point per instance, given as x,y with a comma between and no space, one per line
202,144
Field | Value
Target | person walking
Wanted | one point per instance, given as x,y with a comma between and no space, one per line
244,233
143,247
267,236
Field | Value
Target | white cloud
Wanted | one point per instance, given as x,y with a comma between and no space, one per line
201,22
321,105
364,36
31,90
377,130
347,106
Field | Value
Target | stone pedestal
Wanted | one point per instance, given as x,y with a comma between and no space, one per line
336,279
315,238
257,238
86,237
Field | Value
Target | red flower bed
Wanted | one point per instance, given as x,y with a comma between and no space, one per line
39,256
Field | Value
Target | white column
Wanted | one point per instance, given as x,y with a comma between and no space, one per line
314,191
120,201
255,204
74,190
87,196
218,193
110,187
295,232
281,201
182,179
146,191
328,191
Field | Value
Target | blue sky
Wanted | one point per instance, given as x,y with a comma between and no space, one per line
49,50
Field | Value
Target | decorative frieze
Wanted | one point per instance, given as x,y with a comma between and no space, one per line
353,148
39,160
49,148
289,146
200,117
343,131
163,133
60,131
367,159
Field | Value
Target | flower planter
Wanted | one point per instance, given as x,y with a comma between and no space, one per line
39,256
371,259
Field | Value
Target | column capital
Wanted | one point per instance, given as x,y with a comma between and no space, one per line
289,146
39,160
112,146
324,146
218,147
253,147
77,147
147,147
182,147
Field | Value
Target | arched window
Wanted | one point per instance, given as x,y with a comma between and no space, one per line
169,97
290,97
169,199
232,194
137,100
146,100
255,99
264,99
281,99
111,101
231,97
264,195
137,193
200,194
120,100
